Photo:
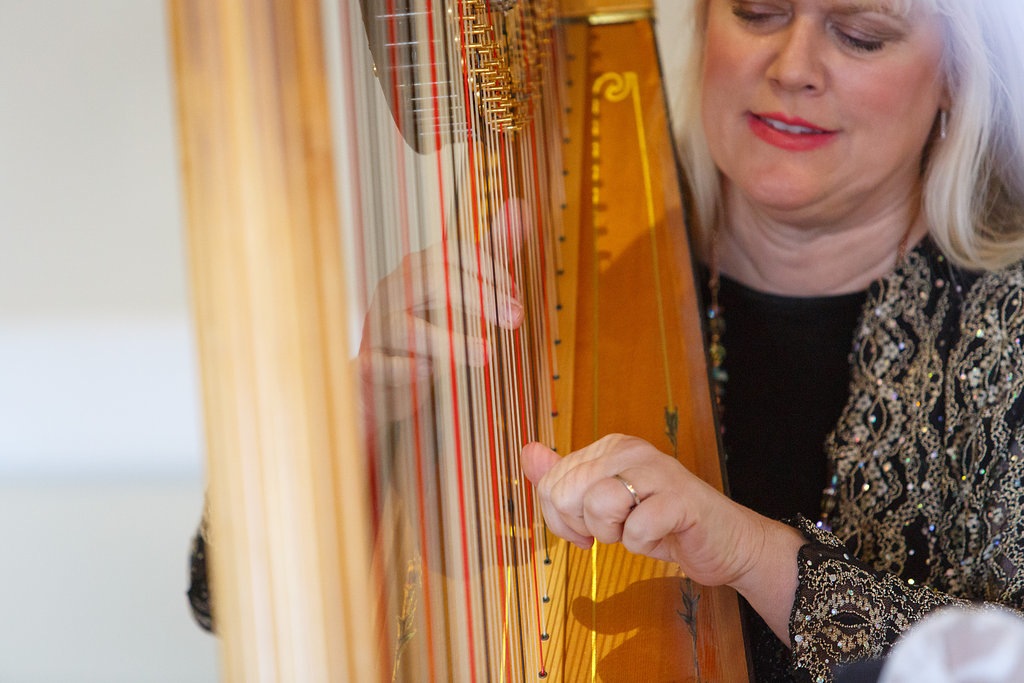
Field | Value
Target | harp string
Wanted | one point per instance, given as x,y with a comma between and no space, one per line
498,184
455,211
389,231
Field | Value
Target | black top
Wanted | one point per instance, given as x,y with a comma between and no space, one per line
788,365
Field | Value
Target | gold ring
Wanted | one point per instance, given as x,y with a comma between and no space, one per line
629,487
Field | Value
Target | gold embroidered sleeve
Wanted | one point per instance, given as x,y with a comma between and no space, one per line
844,611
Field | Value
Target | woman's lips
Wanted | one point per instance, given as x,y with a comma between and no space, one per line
789,133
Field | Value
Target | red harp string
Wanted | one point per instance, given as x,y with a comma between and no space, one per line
454,209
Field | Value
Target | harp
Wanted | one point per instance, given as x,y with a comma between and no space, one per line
361,532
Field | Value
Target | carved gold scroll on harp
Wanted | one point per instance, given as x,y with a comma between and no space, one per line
351,549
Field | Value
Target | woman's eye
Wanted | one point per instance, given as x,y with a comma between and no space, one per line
756,14
859,43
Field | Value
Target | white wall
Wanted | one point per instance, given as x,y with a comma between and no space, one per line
100,447
94,347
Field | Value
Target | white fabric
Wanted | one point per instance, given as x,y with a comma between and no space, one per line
958,645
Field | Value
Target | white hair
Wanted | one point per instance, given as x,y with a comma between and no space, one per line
973,179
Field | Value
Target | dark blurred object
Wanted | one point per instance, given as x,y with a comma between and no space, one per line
411,64
860,672
199,584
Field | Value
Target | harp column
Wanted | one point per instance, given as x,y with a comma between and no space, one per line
287,507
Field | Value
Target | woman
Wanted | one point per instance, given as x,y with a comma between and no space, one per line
858,171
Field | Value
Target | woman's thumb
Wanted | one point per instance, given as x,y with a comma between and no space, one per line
537,460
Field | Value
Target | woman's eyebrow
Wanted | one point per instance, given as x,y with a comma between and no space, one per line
866,7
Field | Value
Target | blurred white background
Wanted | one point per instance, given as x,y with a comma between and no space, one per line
100,444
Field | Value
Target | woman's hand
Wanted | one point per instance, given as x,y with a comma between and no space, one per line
678,517
440,306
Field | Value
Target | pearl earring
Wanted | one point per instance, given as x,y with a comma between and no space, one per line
942,124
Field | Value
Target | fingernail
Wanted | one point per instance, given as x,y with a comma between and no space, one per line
512,314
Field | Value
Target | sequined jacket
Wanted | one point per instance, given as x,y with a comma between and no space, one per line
927,462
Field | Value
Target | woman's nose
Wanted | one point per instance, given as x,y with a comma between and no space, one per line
797,63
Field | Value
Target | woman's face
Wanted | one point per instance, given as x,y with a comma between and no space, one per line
815,110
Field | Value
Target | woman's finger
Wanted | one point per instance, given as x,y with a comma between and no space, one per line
540,465
537,460
460,296
593,491
403,335
606,506
479,300
647,529
487,260
393,372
